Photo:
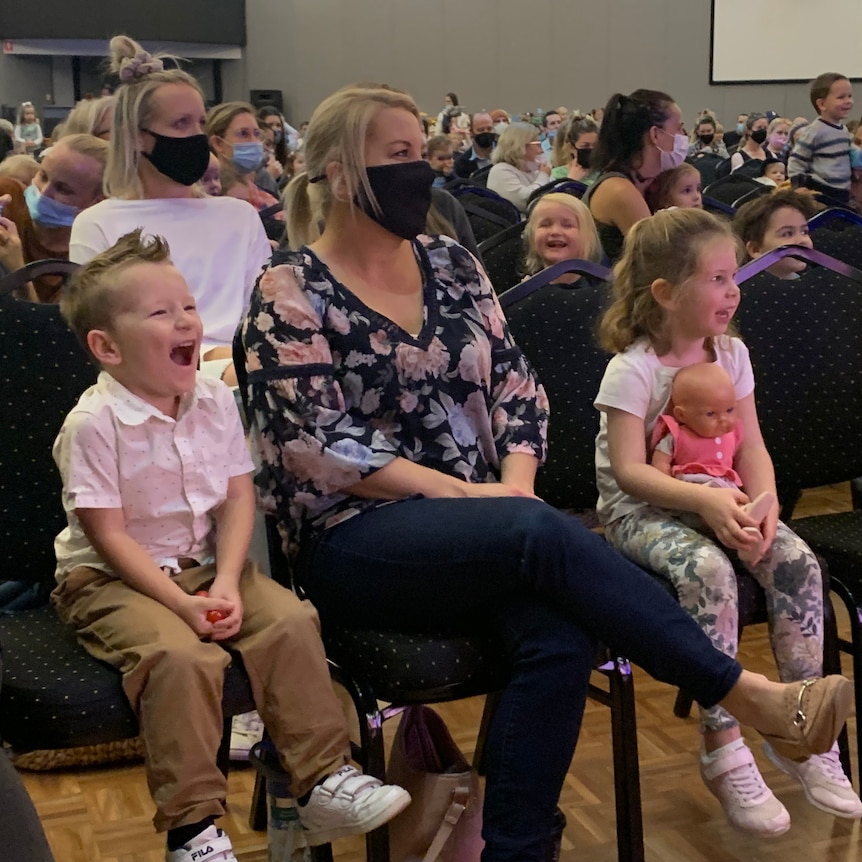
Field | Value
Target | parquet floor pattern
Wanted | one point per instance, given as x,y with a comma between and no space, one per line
103,815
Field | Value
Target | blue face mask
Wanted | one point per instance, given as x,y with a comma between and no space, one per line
47,211
248,157
740,128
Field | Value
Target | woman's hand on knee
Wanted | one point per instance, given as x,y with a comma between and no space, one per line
496,489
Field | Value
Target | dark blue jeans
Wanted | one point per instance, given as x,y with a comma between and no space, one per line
552,588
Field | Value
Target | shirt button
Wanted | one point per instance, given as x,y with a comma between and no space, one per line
718,439
719,455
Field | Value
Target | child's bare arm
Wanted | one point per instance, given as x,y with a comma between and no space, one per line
662,461
106,530
234,525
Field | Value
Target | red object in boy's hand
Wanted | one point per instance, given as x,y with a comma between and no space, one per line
215,615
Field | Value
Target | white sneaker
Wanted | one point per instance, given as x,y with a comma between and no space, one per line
246,730
211,845
349,803
732,776
823,781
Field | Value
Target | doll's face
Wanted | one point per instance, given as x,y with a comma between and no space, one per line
707,412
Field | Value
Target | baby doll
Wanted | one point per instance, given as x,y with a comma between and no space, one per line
697,440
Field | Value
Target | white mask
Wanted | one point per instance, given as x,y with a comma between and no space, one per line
675,157
500,127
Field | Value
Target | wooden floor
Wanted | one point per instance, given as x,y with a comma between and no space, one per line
103,815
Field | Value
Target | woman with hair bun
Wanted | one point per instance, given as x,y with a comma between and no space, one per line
158,153
641,135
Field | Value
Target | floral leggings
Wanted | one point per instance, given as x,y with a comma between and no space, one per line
703,576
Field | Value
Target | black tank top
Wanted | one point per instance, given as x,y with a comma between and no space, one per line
610,236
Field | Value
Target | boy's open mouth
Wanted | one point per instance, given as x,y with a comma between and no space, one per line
183,354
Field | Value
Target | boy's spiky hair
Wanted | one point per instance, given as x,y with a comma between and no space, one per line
89,300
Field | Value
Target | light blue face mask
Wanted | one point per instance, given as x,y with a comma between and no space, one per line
47,211
248,157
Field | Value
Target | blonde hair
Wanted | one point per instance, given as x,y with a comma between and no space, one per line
776,122
590,247
665,246
512,144
88,145
90,299
221,116
337,132
141,74
19,167
87,117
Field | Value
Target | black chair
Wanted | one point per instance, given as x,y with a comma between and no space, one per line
487,211
401,669
838,233
805,339
731,188
12,282
55,697
753,194
480,177
717,207
274,227
564,184
707,165
503,256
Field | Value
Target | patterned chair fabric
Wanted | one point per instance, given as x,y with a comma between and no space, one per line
503,256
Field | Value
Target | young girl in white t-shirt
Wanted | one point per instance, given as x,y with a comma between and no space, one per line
675,297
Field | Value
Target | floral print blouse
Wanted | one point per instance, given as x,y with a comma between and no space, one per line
336,390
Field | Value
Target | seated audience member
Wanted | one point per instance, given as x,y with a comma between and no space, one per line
438,154
598,114
501,120
641,136
211,180
678,187
820,158
777,135
559,228
295,163
733,138
450,101
142,543
704,140
483,139
770,221
91,117
235,137
573,150
20,167
158,153
752,143
68,181
520,166
423,437
550,126
273,119
773,172
8,145
28,131
564,113
270,163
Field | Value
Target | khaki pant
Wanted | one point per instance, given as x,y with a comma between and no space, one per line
174,682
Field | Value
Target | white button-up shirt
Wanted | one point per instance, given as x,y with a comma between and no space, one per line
117,451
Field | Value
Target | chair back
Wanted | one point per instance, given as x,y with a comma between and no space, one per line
503,256
45,371
838,233
555,326
805,340
732,187
717,207
488,212
564,184
17,279
707,165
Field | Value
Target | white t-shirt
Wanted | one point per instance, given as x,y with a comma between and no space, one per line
117,451
218,244
636,382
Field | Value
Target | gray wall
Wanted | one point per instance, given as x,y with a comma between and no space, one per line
513,54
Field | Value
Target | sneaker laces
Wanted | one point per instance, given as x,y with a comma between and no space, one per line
747,783
829,764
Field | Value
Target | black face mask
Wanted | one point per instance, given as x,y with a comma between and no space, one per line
584,157
485,139
183,160
759,136
403,192
706,139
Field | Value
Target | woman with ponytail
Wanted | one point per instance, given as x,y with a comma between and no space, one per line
158,153
641,135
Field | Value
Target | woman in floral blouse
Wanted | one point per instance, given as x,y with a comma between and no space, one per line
400,429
